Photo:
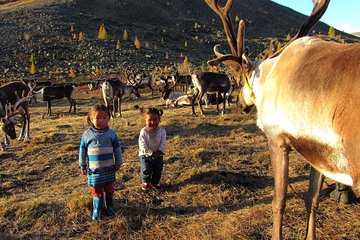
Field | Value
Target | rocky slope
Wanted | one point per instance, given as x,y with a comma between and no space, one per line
44,29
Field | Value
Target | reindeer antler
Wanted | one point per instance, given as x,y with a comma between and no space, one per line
319,9
236,45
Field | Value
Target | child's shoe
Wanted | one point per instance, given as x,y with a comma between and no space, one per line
109,205
144,186
97,205
156,186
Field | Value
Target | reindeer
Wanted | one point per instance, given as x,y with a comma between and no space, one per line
176,99
183,81
49,93
144,81
307,98
209,82
113,92
10,95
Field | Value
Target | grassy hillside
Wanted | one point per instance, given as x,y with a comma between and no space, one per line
217,177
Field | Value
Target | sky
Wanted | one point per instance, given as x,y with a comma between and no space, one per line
343,15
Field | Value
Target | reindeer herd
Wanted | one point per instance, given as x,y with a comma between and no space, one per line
306,95
15,96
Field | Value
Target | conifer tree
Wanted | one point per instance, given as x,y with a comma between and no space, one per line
237,19
203,67
147,45
166,55
279,46
137,43
166,70
186,44
288,37
81,36
71,73
186,64
181,55
331,32
118,44
125,36
102,35
32,68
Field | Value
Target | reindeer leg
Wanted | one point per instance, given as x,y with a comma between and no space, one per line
199,102
74,102
49,107
224,102
27,135
6,143
279,154
193,103
120,106
69,100
21,135
312,201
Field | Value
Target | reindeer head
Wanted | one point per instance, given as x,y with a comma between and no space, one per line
7,123
239,57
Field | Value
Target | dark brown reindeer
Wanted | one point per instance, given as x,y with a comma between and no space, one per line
209,82
311,86
184,82
113,93
14,99
49,93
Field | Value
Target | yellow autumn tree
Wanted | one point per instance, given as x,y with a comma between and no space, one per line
186,44
32,66
186,64
125,36
288,37
166,55
137,43
102,35
147,45
71,73
81,36
279,46
166,70
118,44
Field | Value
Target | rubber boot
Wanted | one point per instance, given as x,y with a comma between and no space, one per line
109,205
97,205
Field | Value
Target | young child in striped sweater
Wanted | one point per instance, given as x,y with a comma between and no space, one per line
100,157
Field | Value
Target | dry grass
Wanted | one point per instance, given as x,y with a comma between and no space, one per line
217,177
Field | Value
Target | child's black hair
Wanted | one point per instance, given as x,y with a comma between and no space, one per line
153,110
96,108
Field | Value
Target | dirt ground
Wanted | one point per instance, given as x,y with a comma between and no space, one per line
217,181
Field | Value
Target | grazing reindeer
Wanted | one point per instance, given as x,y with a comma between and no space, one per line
113,93
209,82
307,99
9,94
49,93
146,82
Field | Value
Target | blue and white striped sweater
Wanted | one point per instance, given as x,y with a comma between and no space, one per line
99,151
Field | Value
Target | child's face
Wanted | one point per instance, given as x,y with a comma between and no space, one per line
100,119
151,121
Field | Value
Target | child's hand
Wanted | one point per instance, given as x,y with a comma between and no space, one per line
156,154
117,167
83,172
